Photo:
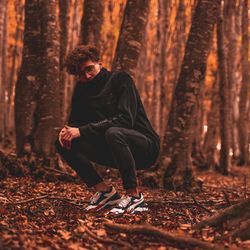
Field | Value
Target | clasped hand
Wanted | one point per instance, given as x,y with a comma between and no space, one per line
67,134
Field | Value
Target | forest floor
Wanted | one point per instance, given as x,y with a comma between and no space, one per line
54,217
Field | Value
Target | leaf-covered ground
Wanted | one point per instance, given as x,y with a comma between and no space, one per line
54,217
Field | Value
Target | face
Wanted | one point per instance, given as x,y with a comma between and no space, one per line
88,70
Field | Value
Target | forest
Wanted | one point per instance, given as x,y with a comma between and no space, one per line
189,60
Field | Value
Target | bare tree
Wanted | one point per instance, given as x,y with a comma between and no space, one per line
244,92
160,65
231,37
92,21
19,9
212,135
3,66
176,168
224,102
37,102
64,8
131,36
48,105
28,78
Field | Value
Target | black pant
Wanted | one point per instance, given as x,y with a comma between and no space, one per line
125,149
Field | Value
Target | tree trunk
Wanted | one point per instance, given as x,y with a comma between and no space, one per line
212,135
64,6
48,106
163,16
131,36
3,66
28,77
197,153
176,54
224,103
74,31
19,7
174,171
243,124
230,8
92,22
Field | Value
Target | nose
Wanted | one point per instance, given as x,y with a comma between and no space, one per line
87,76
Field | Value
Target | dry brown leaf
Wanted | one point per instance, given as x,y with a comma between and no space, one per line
101,232
65,234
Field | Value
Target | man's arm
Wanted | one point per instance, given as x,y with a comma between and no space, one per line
126,109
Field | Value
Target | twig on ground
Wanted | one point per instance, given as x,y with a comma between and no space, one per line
58,171
65,200
217,202
201,206
45,197
103,240
226,197
26,201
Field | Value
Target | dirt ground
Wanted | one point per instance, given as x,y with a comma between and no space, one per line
54,217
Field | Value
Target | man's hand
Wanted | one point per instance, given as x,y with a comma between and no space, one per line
67,134
63,130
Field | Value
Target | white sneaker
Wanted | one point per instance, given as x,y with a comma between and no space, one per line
130,204
101,200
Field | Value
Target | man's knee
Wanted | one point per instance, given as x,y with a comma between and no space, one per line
113,134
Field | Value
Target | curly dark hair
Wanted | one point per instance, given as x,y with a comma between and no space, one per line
80,54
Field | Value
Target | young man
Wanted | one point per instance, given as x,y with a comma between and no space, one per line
107,125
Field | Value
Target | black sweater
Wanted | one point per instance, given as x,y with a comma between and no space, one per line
109,100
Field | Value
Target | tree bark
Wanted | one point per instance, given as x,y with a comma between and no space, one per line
212,135
92,21
241,209
3,66
131,36
230,8
224,103
64,8
176,240
177,137
48,106
19,9
159,99
244,104
28,78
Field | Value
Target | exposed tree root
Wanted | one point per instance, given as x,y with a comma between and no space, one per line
30,164
240,210
243,231
104,240
169,238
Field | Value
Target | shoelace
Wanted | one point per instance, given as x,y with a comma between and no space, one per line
95,197
124,202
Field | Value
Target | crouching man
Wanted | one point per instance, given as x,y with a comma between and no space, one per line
107,125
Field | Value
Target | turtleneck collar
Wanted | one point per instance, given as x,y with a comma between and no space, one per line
94,86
